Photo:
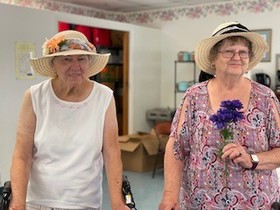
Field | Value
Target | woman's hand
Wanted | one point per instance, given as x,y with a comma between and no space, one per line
237,154
14,206
168,204
120,206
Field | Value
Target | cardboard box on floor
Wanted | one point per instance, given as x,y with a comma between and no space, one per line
138,152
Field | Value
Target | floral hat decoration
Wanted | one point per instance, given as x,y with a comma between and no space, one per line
65,43
225,30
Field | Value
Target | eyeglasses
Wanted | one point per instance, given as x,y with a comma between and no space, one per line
231,53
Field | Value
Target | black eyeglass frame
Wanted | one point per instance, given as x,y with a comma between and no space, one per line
231,53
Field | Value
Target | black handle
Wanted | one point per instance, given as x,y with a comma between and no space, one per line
275,206
269,80
128,196
7,190
6,196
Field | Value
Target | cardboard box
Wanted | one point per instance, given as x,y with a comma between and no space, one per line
138,152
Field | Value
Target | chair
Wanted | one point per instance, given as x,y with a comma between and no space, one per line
162,131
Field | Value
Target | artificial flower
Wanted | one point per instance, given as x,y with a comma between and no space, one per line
54,44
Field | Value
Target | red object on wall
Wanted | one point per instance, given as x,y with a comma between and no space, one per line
101,37
62,26
86,30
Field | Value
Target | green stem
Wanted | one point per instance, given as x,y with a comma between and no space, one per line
226,174
227,138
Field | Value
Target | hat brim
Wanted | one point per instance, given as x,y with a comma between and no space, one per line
43,66
259,48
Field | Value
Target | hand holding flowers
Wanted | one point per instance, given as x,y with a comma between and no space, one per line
226,117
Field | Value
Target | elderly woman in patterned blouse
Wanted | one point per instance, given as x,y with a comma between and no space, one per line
201,172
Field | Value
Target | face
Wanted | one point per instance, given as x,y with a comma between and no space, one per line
72,68
232,57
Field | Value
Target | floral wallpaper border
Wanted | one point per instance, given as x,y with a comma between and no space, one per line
163,15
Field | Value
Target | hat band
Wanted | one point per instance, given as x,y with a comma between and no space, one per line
61,45
231,29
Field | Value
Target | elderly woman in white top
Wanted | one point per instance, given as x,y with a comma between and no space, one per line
67,127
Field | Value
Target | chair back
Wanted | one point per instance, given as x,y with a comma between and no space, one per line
162,131
162,128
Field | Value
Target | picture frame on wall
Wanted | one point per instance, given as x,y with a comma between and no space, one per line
277,66
24,51
266,34
278,62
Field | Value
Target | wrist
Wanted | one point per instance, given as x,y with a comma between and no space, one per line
118,205
255,161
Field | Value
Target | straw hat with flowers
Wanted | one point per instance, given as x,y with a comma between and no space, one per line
65,43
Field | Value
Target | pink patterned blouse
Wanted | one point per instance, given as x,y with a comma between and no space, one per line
198,141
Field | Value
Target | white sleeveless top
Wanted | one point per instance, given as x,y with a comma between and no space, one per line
68,163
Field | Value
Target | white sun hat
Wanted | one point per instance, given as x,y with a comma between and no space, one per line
229,29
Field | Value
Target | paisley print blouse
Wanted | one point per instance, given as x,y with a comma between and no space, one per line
197,143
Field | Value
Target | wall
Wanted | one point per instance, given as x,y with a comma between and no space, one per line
19,27
31,25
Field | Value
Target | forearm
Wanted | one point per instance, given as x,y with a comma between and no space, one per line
112,159
19,178
269,160
23,153
113,167
172,172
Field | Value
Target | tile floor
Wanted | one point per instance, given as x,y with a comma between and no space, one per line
147,191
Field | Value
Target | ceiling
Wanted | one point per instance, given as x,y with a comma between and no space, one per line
137,5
